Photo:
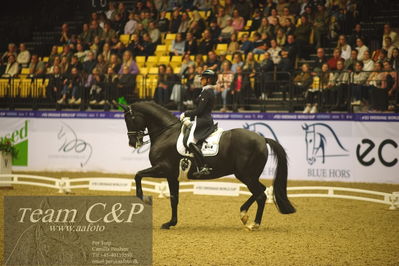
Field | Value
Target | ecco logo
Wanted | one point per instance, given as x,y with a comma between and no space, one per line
370,145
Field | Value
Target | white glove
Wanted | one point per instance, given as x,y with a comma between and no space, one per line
182,116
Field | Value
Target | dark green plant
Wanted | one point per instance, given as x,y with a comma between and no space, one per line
7,147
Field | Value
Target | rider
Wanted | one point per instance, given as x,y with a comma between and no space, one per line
204,125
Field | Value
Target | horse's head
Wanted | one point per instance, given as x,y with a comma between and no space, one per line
135,124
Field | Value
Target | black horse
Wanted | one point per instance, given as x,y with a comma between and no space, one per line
242,153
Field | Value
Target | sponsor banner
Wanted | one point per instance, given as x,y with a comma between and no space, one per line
110,184
216,188
356,148
80,230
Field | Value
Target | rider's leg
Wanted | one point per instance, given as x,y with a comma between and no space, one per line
199,158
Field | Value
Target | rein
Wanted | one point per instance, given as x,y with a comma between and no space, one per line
138,134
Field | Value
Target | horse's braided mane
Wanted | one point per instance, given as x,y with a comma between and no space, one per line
154,109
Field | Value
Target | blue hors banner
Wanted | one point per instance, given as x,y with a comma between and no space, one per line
323,147
77,230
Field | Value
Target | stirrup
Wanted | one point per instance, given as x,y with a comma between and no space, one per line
204,171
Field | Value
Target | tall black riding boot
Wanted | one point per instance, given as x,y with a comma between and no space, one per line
204,170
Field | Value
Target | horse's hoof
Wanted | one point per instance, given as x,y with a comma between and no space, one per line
165,226
244,217
147,200
252,227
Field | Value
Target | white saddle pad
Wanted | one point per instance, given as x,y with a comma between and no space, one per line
210,147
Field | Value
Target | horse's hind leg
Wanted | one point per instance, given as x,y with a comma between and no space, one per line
257,189
244,209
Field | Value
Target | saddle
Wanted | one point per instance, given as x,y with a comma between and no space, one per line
209,147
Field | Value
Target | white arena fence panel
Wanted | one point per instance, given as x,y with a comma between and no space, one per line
66,185
320,147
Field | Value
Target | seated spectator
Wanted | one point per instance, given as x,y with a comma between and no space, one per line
266,71
238,21
163,22
135,45
223,84
212,61
395,59
80,52
72,88
106,52
12,67
162,93
358,79
222,18
374,82
246,45
281,38
324,76
118,24
302,34
333,29
320,25
260,45
130,64
184,23
178,45
94,84
190,46
122,12
175,21
175,87
64,65
186,62
237,61
95,46
111,12
199,61
126,82
338,84
240,88
55,85
214,30
285,65
36,68
226,32
312,95
251,67
265,27
110,79
332,62
23,57
154,32
89,64
193,85
388,47
268,6
256,20
320,60
64,38
114,63
291,47
302,81
289,27
11,50
101,65
206,44
361,48
147,47
66,52
273,19
274,52
388,32
108,33
350,63
345,48
85,36
368,63
233,44
389,85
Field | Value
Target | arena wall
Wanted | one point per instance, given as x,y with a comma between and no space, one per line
322,147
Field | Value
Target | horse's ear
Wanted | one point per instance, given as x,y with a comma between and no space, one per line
305,126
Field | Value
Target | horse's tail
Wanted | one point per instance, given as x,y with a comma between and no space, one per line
280,178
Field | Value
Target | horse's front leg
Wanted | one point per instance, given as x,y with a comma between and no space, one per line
149,172
174,201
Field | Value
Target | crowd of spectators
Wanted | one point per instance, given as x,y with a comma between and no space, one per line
96,65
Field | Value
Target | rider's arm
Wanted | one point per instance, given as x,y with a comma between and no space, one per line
201,107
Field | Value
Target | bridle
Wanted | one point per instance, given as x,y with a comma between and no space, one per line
140,134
